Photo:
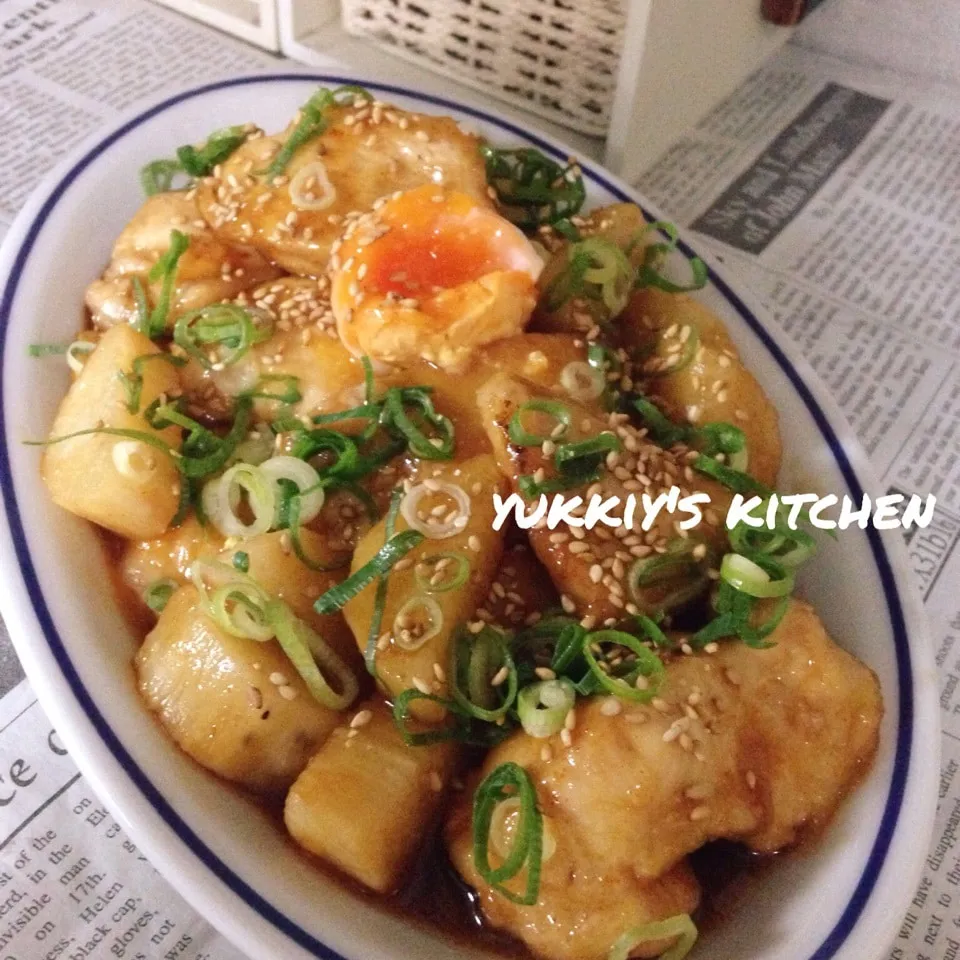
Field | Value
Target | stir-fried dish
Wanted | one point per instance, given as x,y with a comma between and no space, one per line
313,362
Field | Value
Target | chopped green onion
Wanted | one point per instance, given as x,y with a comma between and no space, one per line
748,577
157,595
605,362
380,597
226,325
158,175
438,580
530,487
154,323
77,349
552,408
584,456
457,729
675,362
732,479
638,680
239,607
290,393
788,547
676,568
222,498
311,657
404,634
509,781
649,274
681,929
438,447
200,161
475,661
368,380
531,188
306,486
543,707
555,642
583,381
133,381
241,561
397,547
311,124
660,427
47,349
597,269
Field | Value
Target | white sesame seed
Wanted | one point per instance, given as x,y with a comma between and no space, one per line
361,719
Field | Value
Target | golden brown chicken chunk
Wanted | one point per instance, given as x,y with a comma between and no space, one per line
210,271
744,744
367,151
691,366
592,567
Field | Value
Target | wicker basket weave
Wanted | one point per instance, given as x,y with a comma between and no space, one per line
556,58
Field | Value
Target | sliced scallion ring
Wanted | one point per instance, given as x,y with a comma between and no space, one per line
476,660
77,350
681,929
397,547
552,408
675,577
311,189
417,621
307,481
505,782
582,381
222,498
313,659
748,577
624,680
447,571
223,325
158,594
240,609
428,526
543,707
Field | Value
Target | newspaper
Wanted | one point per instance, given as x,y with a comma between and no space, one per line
832,189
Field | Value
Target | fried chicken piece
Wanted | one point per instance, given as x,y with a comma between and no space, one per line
591,568
210,270
744,744
692,368
367,151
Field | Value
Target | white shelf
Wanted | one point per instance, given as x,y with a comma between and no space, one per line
252,20
311,32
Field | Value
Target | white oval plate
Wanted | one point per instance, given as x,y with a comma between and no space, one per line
843,899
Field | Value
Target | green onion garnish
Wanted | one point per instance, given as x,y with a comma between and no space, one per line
157,595
597,269
749,577
309,652
675,362
637,679
313,122
443,572
456,729
475,661
153,322
200,161
290,393
649,274
241,561
606,362
788,547
509,782
394,549
676,569
552,408
133,381
437,447
158,176
584,456
660,427
533,189
226,325
543,707
47,349
734,480
680,928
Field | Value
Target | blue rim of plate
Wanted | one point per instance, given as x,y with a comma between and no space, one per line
892,808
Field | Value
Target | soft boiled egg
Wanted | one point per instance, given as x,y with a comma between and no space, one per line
430,274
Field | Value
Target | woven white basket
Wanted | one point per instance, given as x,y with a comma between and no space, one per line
556,58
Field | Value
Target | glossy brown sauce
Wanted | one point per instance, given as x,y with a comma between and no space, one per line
435,897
